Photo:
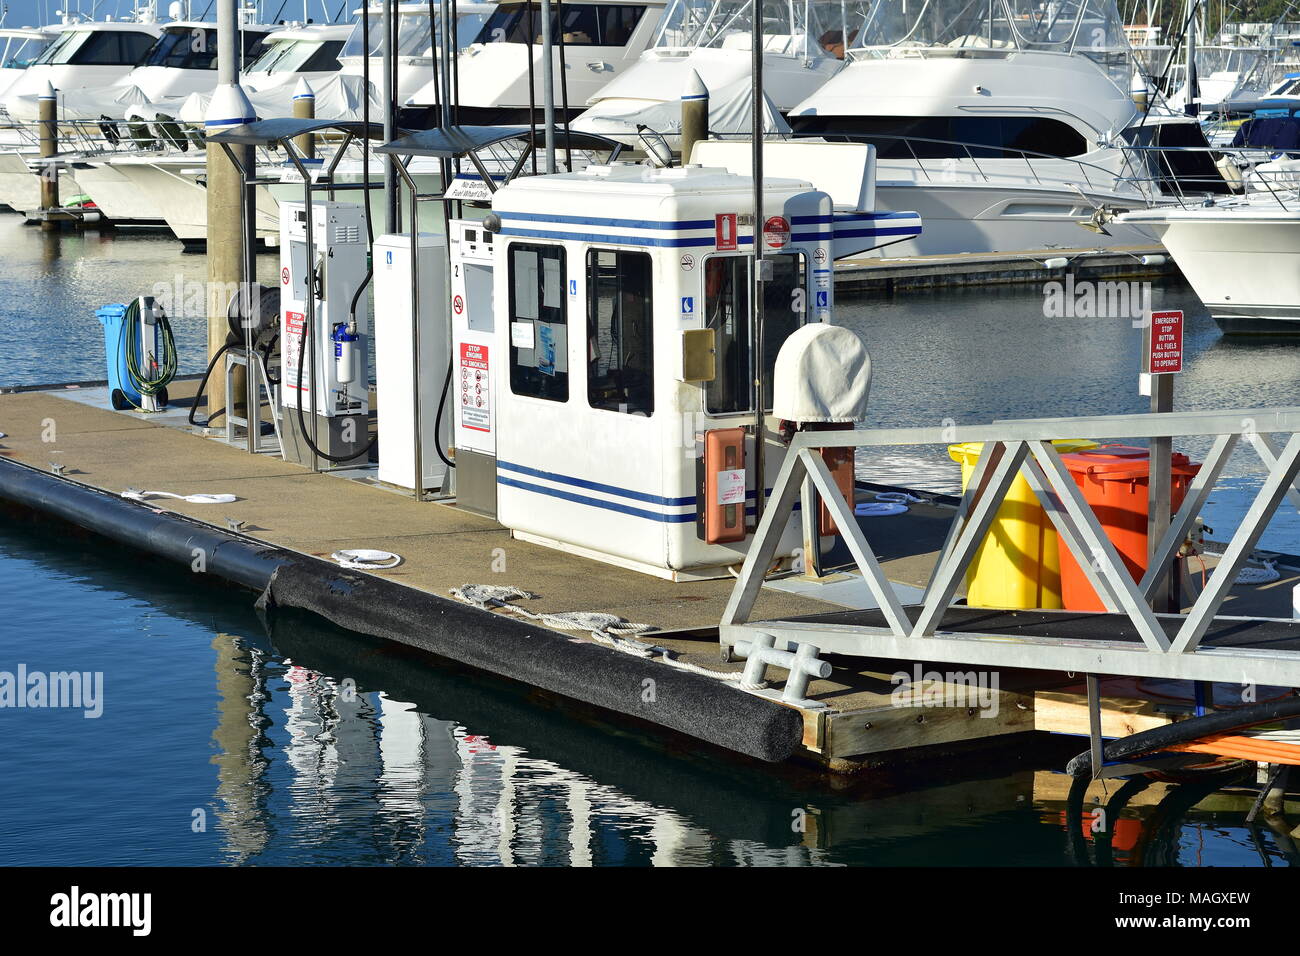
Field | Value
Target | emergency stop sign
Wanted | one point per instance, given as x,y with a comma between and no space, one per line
776,231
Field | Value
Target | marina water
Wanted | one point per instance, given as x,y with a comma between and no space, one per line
225,741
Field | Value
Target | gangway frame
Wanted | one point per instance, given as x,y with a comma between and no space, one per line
1170,645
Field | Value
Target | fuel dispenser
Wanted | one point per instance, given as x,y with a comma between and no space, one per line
473,353
619,360
325,349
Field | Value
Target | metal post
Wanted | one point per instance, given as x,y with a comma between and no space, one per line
1094,723
548,81
231,218
756,331
1164,597
390,126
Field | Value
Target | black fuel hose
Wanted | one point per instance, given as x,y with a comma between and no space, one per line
1194,728
203,385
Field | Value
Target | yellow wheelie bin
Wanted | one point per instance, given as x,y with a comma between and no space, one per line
1018,563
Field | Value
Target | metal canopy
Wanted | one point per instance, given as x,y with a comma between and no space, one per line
452,142
268,131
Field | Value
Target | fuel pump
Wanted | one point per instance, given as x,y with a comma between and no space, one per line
325,386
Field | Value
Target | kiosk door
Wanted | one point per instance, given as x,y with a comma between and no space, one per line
579,447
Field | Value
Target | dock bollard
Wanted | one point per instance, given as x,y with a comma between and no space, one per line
48,107
304,107
802,664
695,114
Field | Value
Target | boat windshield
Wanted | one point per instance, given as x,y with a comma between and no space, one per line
1093,28
298,56
579,24
787,26
413,35
20,52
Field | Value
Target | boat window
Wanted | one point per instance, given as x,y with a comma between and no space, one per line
539,361
63,47
580,24
726,304
949,137
620,332
21,52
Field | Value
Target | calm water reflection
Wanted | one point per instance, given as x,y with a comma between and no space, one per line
225,741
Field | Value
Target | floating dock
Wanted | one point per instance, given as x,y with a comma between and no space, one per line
67,457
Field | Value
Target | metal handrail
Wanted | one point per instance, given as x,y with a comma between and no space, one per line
1024,448
969,148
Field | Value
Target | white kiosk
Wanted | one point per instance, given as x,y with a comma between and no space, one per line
618,358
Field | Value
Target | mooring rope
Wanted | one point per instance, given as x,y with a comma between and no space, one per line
609,630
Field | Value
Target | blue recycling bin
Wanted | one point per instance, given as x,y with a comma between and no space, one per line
113,319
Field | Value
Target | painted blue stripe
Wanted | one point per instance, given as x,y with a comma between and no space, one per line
228,122
597,503
596,486
695,96
811,236
677,225
619,240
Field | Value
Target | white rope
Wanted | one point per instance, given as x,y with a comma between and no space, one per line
609,630
136,495
1265,575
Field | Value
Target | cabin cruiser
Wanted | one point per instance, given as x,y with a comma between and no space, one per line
594,44
417,41
19,48
1001,122
803,47
182,60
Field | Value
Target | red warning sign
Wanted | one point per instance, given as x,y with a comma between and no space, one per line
458,304
475,387
1164,343
724,232
284,275
776,231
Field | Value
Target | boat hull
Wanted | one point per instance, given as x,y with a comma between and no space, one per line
1243,263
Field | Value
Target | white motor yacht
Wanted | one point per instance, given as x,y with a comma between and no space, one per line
1001,123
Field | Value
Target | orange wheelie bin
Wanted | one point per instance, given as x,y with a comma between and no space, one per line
1114,480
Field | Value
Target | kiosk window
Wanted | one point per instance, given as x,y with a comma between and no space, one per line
539,364
620,332
726,301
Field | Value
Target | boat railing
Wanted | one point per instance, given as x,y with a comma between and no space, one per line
1001,161
1247,171
1165,644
